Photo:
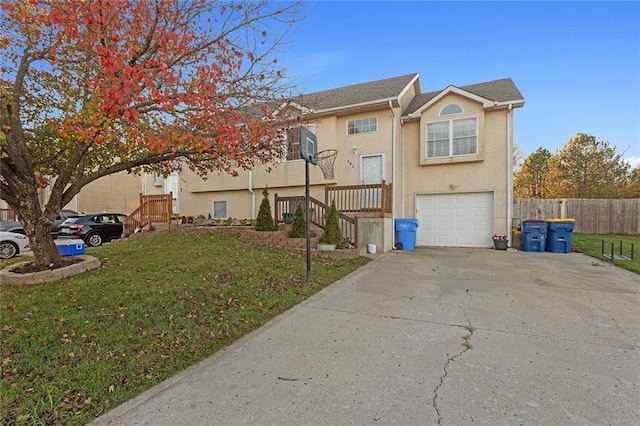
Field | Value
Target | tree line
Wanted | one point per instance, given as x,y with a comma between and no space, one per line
585,167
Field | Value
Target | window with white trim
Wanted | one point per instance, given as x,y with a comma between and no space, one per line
452,138
220,209
451,109
292,142
363,125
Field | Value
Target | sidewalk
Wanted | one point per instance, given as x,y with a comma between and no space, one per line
435,336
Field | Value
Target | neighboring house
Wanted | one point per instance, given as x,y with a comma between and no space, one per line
446,153
119,192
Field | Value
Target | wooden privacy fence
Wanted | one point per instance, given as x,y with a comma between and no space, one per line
593,216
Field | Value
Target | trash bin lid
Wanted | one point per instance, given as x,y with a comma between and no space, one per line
534,221
566,219
411,220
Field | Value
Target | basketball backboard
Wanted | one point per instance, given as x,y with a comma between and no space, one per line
308,145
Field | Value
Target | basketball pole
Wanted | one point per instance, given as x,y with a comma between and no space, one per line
306,214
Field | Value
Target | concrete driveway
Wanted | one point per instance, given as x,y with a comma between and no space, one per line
435,336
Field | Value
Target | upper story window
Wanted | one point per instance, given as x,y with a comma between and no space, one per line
292,142
451,109
452,138
363,125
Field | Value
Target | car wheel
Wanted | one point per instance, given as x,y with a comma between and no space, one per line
94,240
8,250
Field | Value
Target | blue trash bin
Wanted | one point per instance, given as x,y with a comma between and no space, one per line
533,242
534,235
406,233
560,235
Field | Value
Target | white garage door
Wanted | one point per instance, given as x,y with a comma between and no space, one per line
455,220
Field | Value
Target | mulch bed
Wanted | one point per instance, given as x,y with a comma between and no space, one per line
31,267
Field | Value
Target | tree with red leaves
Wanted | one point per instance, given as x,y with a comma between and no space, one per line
95,87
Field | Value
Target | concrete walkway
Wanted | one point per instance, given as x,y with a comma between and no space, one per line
431,337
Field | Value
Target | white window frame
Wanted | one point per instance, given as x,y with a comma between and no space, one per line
285,154
451,138
359,126
459,110
213,209
286,134
158,178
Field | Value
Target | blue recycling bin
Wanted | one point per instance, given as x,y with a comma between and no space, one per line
406,233
534,242
534,227
534,235
559,235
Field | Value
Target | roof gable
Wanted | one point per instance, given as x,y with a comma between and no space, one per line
492,93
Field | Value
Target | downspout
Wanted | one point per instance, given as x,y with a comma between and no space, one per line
253,195
404,146
509,170
393,174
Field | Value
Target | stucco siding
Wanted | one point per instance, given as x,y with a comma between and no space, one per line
241,204
400,139
119,192
489,173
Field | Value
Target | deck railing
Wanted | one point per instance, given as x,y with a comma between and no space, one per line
360,198
7,215
285,208
152,209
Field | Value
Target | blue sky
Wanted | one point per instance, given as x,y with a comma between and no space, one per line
577,64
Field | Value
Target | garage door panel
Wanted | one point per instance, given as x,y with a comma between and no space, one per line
463,227
455,220
444,227
463,212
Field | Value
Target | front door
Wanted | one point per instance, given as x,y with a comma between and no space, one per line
371,172
171,186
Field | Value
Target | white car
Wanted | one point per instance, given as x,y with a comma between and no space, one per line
12,244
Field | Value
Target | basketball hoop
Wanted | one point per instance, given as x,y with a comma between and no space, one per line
325,160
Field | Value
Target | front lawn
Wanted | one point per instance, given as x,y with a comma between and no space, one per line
591,244
75,348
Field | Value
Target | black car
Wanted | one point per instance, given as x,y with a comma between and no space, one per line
61,217
15,226
93,228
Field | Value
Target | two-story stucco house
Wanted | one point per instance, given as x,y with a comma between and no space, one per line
445,154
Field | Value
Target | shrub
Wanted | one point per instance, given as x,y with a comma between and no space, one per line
332,231
299,225
264,221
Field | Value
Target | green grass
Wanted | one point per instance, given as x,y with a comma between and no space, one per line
591,244
75,348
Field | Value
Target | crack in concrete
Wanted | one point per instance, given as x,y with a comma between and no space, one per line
467,345
495,330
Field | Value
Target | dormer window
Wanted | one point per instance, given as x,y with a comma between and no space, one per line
451,109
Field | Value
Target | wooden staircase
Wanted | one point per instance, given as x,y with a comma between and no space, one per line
152,209
318,211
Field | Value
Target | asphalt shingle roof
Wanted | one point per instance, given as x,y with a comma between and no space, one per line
356,94
502,90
